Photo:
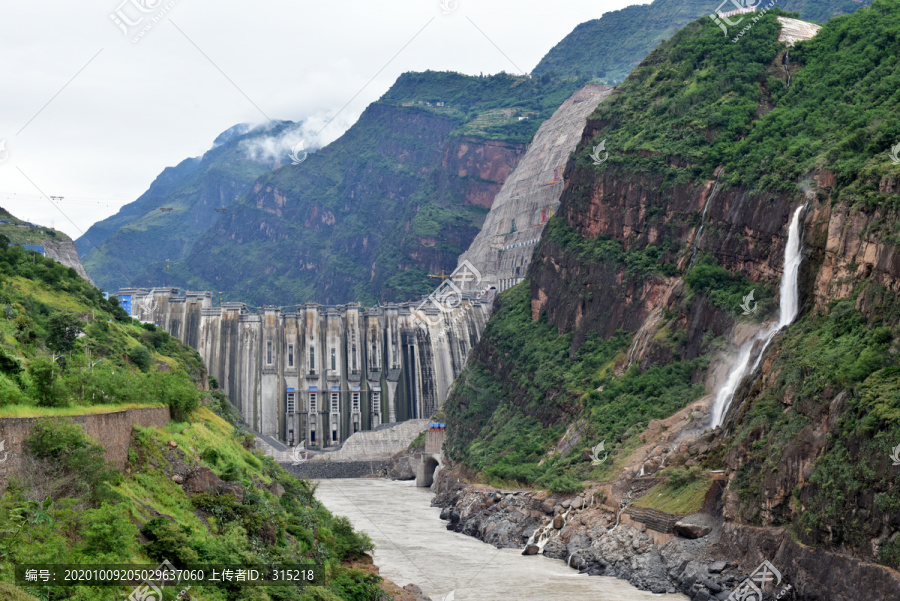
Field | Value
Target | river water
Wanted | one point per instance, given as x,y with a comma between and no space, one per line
412,545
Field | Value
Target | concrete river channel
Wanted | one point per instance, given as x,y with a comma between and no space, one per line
412,545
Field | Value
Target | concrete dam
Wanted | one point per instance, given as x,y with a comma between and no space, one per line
317,374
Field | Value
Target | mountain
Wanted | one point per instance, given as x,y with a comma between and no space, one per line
419,169
48,241
608,48
400,195
734,167
117,250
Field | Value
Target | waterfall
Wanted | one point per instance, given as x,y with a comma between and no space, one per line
788,308
541,536
709,200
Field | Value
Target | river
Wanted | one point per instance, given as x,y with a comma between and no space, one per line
412,545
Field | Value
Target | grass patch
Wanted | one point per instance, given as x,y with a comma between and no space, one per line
31,411
671,499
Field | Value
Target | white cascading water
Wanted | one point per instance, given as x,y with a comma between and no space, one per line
541,536
787,311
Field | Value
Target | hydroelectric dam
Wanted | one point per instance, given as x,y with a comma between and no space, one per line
317,374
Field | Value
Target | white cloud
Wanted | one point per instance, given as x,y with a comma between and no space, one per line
314,133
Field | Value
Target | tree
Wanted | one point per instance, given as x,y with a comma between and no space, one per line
45,383
63,329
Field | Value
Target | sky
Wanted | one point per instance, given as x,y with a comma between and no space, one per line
99,96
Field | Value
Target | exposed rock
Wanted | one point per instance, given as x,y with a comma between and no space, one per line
558,522
531,550
548,505
276,489
717,567
177,479
690,530
173,444
203,480
235,488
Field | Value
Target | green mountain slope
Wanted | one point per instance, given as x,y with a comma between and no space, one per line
608,48
117,249
619,320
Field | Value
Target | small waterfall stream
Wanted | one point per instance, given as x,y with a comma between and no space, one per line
541,536
709,200
787,311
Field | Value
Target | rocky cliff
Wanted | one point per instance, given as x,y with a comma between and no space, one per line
638,309
50,242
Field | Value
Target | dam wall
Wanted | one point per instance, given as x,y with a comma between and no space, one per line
317,374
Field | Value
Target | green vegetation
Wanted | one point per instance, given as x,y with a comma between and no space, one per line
63,345
833,360
726,290
839,113
117,250
506,417
608,48
366,218
638,262
711,102
89,512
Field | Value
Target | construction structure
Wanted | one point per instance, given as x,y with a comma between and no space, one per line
316,374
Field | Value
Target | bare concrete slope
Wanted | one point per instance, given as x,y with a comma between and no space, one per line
502,249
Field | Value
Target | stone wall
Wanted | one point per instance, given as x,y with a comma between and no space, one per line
111,430
336,469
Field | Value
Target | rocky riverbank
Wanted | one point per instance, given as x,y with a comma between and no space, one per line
582,531
705,557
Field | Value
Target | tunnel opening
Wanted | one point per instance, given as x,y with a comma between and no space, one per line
428,469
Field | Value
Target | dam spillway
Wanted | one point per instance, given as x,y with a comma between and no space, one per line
317,374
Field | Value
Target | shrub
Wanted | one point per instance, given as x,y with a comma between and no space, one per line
679,477
168,542
211,456
141,356
175,390
565,485
348,543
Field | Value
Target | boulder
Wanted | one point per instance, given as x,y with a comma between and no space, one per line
173,444
577,503
531,550
235,488
203,480
200,480
687,530
276,488
547,506
558,522
177,479
717,567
